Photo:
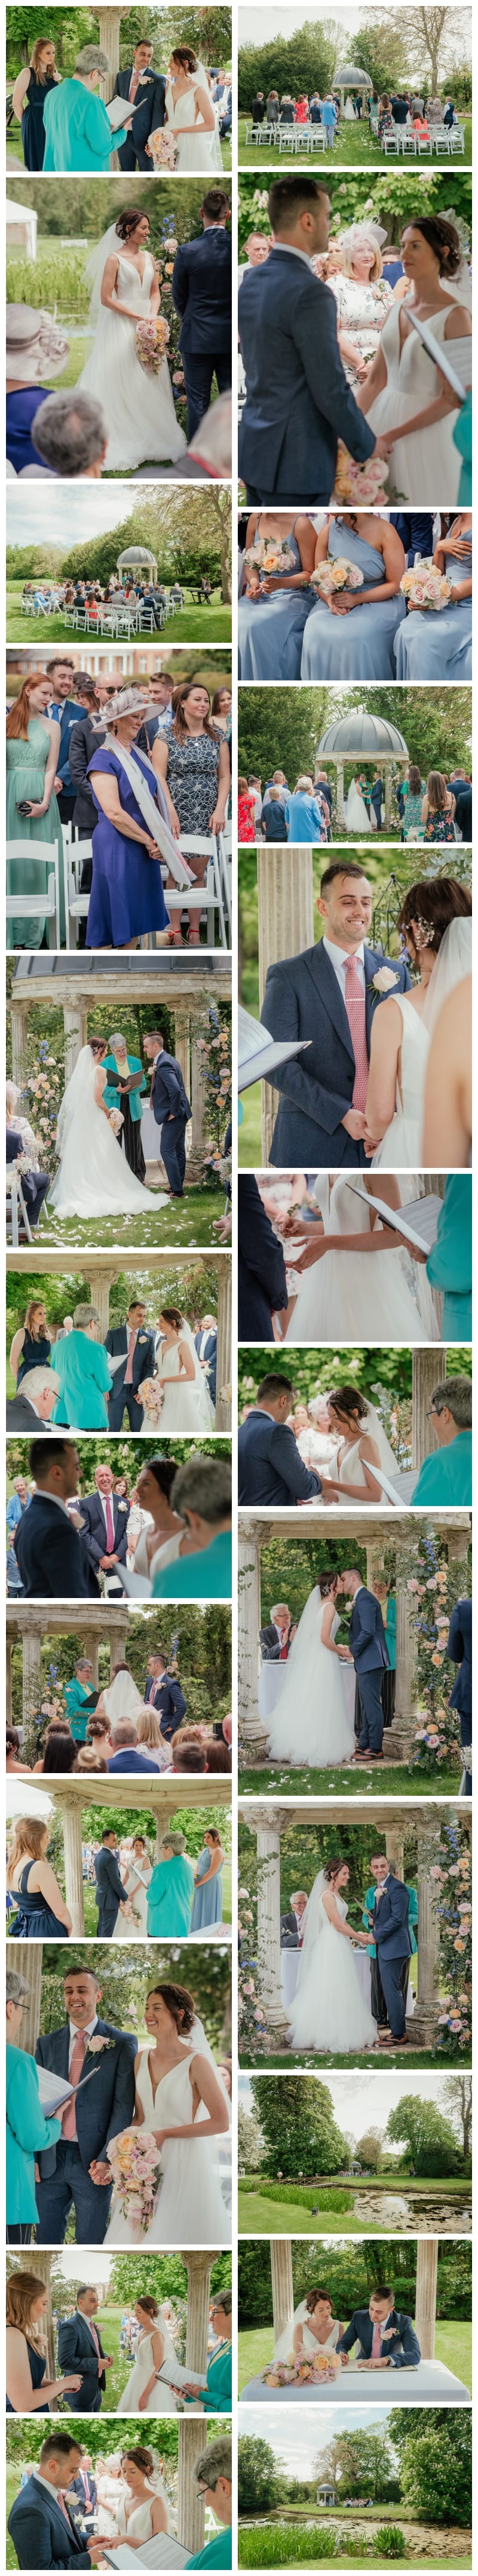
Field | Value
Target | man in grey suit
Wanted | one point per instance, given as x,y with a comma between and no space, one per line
328,995
298,403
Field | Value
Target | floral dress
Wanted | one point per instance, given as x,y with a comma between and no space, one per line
193,768
246,818
361,311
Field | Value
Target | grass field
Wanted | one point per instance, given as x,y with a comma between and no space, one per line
395,1782
308,2061
15,148
180,1223
355,150
259,2216
453,2346
208,625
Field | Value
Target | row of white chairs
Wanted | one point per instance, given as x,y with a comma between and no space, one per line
440,138
289,137
110,620
213,897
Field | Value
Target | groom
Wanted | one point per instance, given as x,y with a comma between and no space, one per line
328,995
133,1344
368,1646
110,1893
171,1109
298,402
393,1946
74,2172
146,91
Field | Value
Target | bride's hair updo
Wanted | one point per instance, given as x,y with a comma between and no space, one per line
127,223
179,2003
442,239
172,1316
141,2458
311,2298
151,2309
183,54
434,905
331,1871
327,1582
346,1400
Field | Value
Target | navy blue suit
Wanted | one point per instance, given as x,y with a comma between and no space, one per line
171,1108
105,2107
39,2532
303,999
51,1556
202,294
123,1399
167,1698
368,1646
87,2503
110,1891
403,2348
130,1759
206,1347
149,112
393,1946
459,1648
76,2352
95,1541
69,714
376,799
298,401
270,1466
262,1284
415,530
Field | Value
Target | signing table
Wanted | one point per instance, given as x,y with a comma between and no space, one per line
429,2384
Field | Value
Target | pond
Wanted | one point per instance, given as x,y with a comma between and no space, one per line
439,2214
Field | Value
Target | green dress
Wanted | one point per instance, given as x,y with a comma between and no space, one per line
203,1577
390,1625
27,2133
446,1478
170,1896
449,1265
26,765
79,1705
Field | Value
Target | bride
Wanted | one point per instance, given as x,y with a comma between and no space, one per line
363,1445
186,1404
143,2393
136,1873
403,390
435,920
355,811
328,2011
190,113
313,2328
313,1718
94,1178
179,2098
138,406
144,2513
362,1279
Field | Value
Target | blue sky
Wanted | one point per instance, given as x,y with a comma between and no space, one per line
69,516
363,2101
299,2443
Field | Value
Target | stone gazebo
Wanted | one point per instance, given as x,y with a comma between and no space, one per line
161,1795
425,2305
137,558
401,1820
377,1533
101,1270
357,737
98,1622
351,76
75,985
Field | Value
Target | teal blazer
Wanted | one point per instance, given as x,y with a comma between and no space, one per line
412,1916
27,2133
216,2399
78,132
217,2554
390,1625
446,1478
170,1896
449,1265
112,1098
205,1577
85,1380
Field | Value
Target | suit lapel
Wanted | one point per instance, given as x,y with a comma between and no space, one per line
325,980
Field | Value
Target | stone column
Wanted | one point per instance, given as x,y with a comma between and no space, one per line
27,1963
90,1646
31,1667
282,2284
118,1644
339,774
458,1542
224,1348
41,2267
250,1538
70,1811
161,1822
388,792
192,2438
424,2019
426,2295
374,1562
18,1024
428,1370
286,924
198,1105
394,1841
75,1024
100,1282
266,1823
198,2268
8,1683
109,27
402,1721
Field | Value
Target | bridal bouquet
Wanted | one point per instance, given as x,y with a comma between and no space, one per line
270,554
424,586
151,344
358,483
336,574
162,149
312,2370
135,2163
151,1395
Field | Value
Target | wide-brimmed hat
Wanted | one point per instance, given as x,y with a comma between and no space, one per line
34,344
126,703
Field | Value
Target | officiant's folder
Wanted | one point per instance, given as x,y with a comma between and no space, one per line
55,2091
161,2552
416,1223
257,1053
398,1489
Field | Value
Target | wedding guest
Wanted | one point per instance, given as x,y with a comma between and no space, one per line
459,1649
124,1743
449,1264
363,298
202,293
205,1343
218,1757
386,122
82,2491
194,769
127,898
413,806
32,753
274,606
97,1741
258,108
364,646
28,2390
188,1756
159,711
36,1403
41,2526
64,708
447,1118
246,813
28,99
304,814
207,1899
447,1478
42,1914
12,1750
35,346
77,129
269,1463
170,1891
145,90
27,2129
18,1499
51,1556
438,809
201,1493
70,435
31,1346
212,2476
60,1753
84,1374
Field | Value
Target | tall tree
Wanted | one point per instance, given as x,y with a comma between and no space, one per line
435,2446
248,2140
256,2474
369,2149
457,2093
426,2136
297,2121
365,2462
432,37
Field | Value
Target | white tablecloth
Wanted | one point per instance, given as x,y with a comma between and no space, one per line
429,2382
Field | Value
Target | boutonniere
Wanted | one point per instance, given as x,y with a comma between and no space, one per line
143,1337
382,982
97,2046
123,1507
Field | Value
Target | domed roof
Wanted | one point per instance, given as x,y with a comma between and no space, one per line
135,554
352,72
362,734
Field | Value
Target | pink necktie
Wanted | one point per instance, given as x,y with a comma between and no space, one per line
128,1375
110,1534
96,2345
376,2346
64,2509
68,2123
355,1008
133,87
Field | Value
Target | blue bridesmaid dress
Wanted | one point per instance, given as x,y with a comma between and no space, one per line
270,630
37,2369
127,888
361,645
207,1901
435,643
35,1920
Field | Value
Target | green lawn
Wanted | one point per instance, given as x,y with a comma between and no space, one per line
258,2216
209,625
396,1781
356,148
312,2064
14,148
188,1221
453,2345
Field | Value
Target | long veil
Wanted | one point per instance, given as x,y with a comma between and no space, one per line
386,1454
199,1378
452,964
284,2344
78,1099
122,1699
299,1669
314,1920
196,2040
94,271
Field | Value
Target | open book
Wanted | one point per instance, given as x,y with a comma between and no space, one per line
54,2090
119,112
417,1222
456,369
397,1489
138,1586
176,2377
258,1054
161,2552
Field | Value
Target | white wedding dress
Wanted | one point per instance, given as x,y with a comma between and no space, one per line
428,464
350,1468
189,2193
138,2526
139,408
187,1405
328,2012
356,816
200,151
313,1719
284,2344
401,1146
161,2400
138,1899
94,1178
368,1297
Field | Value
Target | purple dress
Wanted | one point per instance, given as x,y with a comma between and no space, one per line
127,889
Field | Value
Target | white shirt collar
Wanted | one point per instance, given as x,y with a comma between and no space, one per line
45,2482
340,957
86,2032
292,252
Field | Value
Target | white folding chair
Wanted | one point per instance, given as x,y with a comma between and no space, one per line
16,1206
44,906
207,897
225,863
456,139
76,902
147,620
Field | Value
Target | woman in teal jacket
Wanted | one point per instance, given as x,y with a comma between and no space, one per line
84,1375
27,2130
216,2399
78,133
123,1091
449,1264
170,1892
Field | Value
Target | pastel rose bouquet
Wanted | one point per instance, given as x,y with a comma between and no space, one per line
336,574
303,2370
135,2163
270,554
151,340
424,586
359,483
162,149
